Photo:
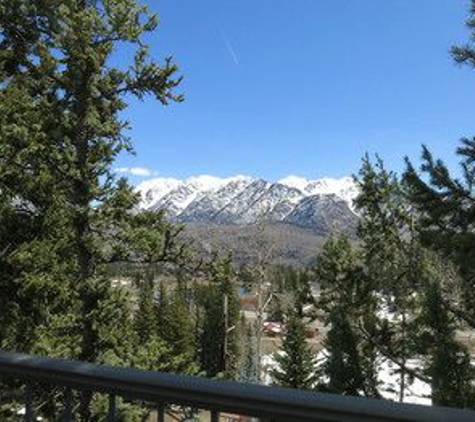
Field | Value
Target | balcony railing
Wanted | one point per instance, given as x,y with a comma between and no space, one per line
160,389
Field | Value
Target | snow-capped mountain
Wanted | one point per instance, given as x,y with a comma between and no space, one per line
323,205
344,188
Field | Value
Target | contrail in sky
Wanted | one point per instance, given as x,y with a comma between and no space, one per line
230,48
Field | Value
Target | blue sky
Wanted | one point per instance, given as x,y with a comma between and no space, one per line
278,87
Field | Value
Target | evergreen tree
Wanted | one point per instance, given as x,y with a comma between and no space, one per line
219,337
145,320
446,223
300,282
449,366
60,100
176,327
335,272
154,242
398,269
163,306
32,277
446,362
276,309
349,364
290,290
392,257
296,365
342,366
446,203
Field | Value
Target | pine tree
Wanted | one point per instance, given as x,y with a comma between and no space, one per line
445,224
299,283
340,277
342,366
446,203
296,364
392,256
448,366
219,337
177,327
60,100
276,309
337,272
398,269
145,320
163,305
32,279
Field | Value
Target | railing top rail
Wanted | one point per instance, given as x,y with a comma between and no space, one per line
280,404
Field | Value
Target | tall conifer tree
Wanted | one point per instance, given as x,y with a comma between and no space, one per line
446,204
340,277
220,334
448,366
296,364
392,257
60,100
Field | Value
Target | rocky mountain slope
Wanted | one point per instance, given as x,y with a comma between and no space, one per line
289,218
322,206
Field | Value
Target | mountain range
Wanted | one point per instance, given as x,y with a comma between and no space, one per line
292,216
323,205
289,218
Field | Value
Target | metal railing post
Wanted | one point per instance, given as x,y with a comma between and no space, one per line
160,413
29,413
112,408
68,405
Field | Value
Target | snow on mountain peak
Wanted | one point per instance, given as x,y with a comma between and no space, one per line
293,181
154,189
177,195
345,188
205,182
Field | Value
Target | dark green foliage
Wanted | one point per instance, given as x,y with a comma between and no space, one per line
394,261
146,318
296,364
342,366
276,309
151,241
399,269
65,220
219,338
61,131
445,207
338,274
447,218
63,215
346,369
446,204
449,366
163,306
291,288
465,54
176,326
303,294
163,318
395,235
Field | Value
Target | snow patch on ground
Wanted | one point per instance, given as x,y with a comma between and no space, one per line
416,392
